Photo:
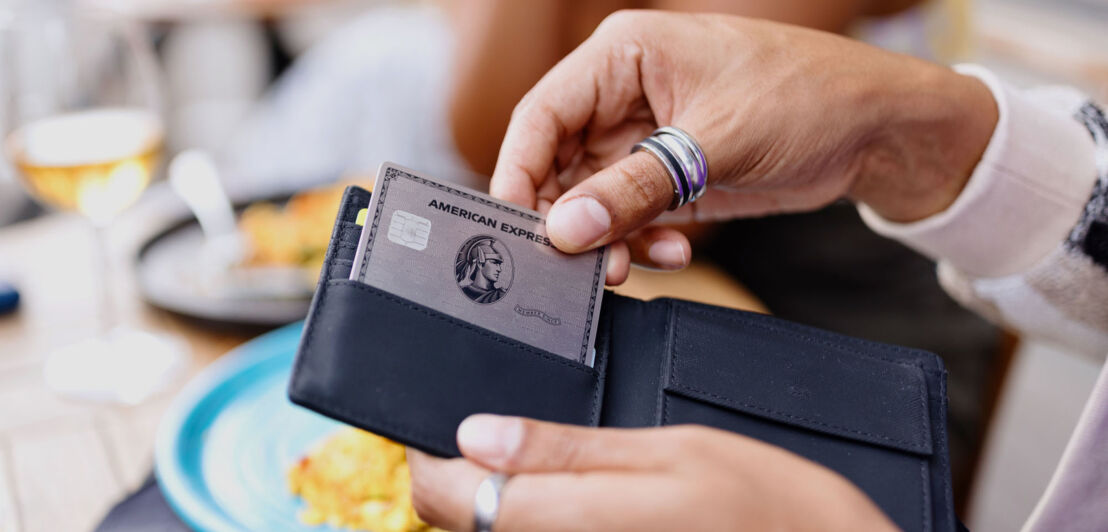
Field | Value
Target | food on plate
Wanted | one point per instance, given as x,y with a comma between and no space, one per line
295,234
357,480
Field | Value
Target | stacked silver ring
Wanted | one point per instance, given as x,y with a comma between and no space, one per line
683,159
486,504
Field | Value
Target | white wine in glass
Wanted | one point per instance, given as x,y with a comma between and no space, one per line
96,162
84,134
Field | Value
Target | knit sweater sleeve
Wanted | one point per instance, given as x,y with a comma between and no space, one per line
1026,242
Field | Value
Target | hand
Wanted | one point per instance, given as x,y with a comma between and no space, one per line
790,119
673,478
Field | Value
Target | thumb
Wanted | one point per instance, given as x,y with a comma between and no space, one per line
521,445
610,204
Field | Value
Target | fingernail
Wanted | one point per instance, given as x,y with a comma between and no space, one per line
490,438
667,254
579,221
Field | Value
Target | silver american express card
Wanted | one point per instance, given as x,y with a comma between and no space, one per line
481,260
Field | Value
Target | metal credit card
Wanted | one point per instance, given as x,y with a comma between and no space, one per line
481,260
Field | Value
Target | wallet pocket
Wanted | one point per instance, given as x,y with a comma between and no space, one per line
412,374
808,391
786,373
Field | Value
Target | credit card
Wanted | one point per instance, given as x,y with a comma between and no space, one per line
481,260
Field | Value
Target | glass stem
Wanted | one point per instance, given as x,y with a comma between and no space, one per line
106,303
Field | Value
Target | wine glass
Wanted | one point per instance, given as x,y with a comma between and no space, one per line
83,131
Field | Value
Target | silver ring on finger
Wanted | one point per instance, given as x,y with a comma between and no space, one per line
486,504
683,159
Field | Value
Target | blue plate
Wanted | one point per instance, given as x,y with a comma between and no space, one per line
228,439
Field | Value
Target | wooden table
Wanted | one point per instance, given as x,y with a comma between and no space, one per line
62,463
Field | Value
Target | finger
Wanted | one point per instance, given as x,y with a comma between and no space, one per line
660,247
547,193
520,445
610,204
619,263
444,493
593,501
557,109
721,204
553,501
439,488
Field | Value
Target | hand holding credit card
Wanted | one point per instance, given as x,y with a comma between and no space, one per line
480,260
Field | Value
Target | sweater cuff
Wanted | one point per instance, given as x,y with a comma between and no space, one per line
1024,196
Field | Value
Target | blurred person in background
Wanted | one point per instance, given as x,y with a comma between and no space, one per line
493,69
434,89
360,94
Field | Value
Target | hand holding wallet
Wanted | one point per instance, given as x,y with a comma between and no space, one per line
874,413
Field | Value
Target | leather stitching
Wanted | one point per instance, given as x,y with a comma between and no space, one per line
321,296
734,316
668,363
677,383
727,314
461,324
944,457
787,415
601,362
924,524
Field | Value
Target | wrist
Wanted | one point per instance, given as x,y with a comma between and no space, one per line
933,128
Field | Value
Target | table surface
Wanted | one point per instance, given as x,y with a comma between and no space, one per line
64,463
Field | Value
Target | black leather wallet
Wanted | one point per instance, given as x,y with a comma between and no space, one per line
875,413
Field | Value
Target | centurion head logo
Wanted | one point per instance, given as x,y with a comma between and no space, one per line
483,269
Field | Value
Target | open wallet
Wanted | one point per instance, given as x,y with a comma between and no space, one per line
873,412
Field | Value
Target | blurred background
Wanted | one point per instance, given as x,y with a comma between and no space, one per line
171,171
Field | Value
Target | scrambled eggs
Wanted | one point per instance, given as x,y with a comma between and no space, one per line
295,234
357,480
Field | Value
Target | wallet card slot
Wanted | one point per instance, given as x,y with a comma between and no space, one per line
412,374
634,333
345,235
347,244
350,234
768,368
338,269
